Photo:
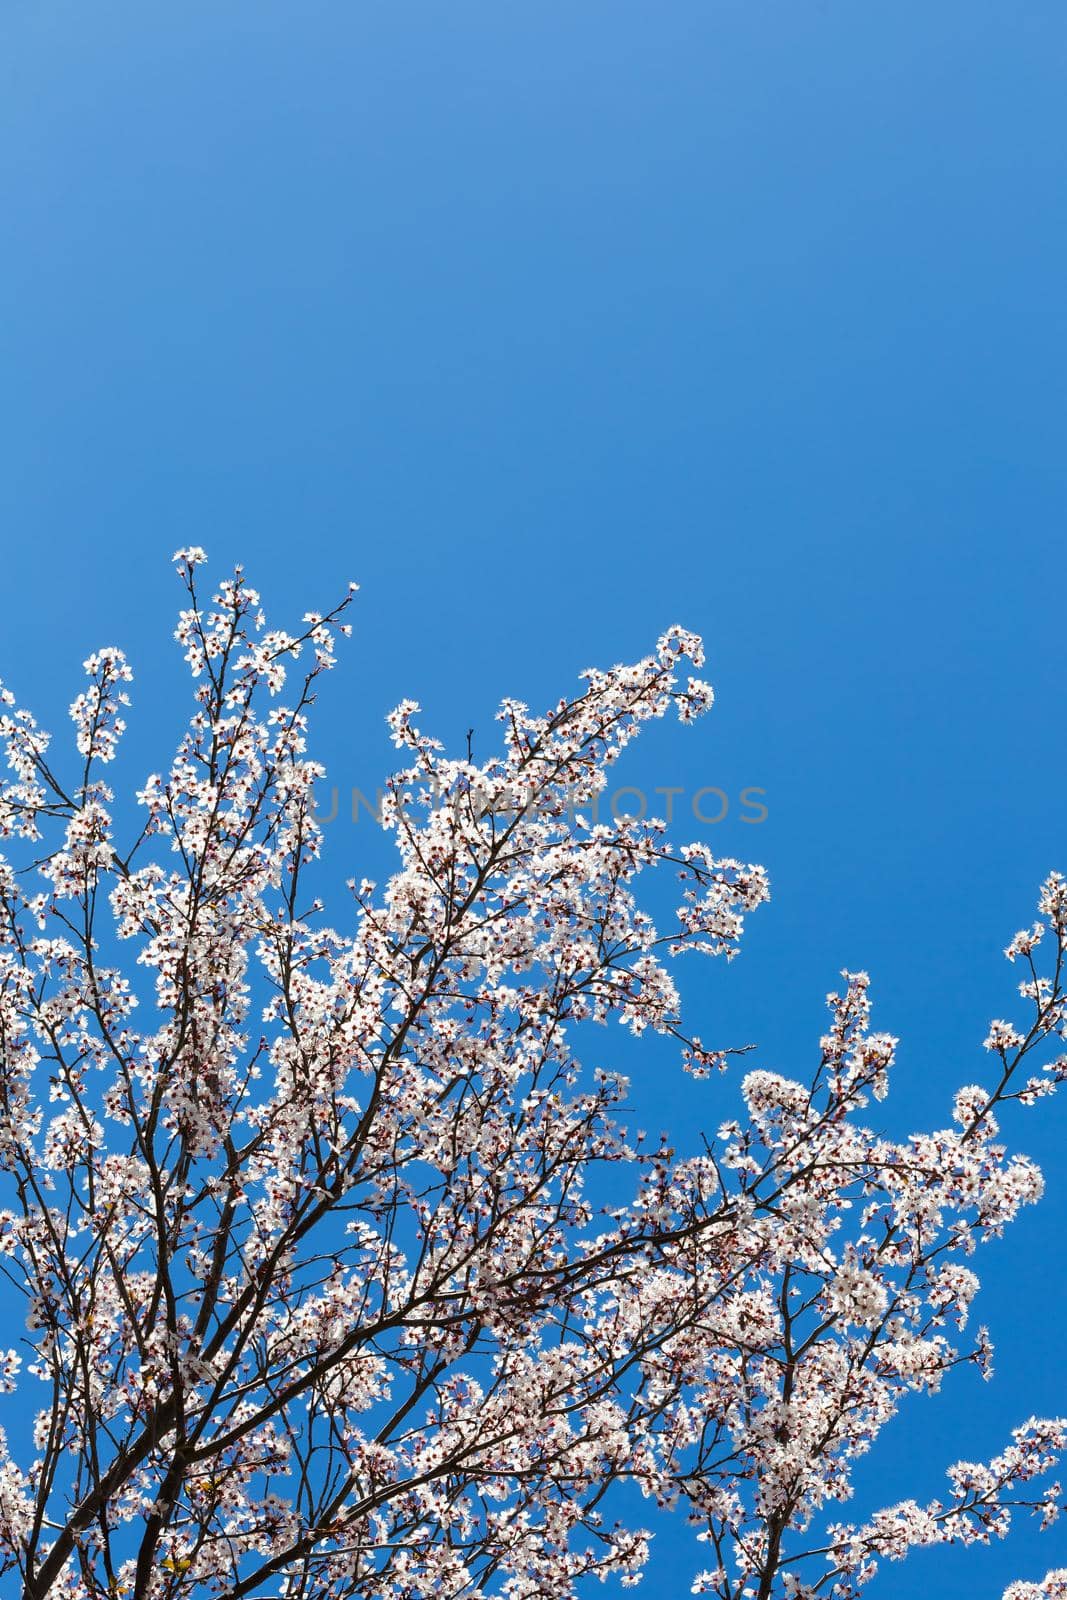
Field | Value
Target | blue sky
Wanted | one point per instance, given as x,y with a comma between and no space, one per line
553,325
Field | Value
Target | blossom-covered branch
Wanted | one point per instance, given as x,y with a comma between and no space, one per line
322,1299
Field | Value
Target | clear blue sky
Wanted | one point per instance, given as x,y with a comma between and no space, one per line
553,324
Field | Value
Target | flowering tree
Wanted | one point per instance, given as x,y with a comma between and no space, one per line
320,1302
